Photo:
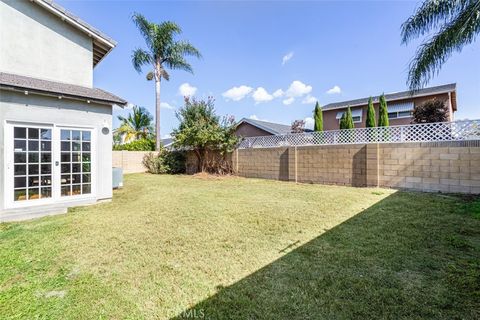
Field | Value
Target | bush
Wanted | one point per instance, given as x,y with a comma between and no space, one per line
431,111
165,161
136,145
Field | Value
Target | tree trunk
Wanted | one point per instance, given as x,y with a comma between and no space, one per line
158,140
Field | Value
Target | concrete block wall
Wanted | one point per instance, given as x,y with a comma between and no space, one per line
130,161
452,167
431,166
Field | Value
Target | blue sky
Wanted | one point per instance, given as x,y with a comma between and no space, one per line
272,60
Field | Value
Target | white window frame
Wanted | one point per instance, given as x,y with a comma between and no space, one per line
402,117
359,121
8,167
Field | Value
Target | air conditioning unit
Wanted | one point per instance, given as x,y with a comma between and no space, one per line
117,177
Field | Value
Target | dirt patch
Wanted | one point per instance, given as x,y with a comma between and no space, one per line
210,176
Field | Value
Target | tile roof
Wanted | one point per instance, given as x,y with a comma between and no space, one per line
17,82
393,96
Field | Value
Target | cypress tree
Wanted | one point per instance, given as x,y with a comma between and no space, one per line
318,116
342,121
383,113
370,114
349,119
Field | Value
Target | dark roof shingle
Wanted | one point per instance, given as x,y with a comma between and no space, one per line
271,127
393,96
13,81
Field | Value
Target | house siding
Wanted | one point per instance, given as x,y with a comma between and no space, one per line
248,130
61,52
49,110
331,123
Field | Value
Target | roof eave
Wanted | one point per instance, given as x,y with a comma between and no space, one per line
121,103
109,43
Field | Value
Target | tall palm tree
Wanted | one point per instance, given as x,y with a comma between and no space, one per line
138,124
457,22
162,52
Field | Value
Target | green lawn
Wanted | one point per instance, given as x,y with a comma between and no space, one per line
178,246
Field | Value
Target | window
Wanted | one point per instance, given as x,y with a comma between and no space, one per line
32,157
401,114
400,110
75,159
356,115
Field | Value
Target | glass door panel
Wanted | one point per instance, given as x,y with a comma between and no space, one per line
32,168
75,162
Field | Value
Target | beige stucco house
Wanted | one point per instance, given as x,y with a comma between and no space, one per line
55,127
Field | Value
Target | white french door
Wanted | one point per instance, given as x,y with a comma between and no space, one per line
47,164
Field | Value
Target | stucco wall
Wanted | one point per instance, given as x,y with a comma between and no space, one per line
35,43
48,110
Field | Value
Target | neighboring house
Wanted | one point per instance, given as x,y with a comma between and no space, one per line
254,128
55,127
167,143
400,106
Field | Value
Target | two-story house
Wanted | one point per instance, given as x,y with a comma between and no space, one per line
55,127
400,106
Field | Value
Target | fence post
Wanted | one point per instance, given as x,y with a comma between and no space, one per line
236,164
296,165
372,164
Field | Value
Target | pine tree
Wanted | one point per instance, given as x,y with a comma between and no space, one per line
383,113
349,119
370,114
318,116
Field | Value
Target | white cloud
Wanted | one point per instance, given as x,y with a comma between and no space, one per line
309,99
187,90
288,101
237,93
261,95
298,89
278,93
166,105
287,57
334,90
253,117
166,136
309,123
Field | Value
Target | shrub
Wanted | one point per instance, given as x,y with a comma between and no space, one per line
201,131
165,161
298,126
430,111
137,145
346,122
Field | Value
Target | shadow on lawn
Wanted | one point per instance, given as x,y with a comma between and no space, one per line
393,260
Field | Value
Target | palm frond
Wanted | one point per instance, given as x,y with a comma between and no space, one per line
178,63
145,28
452,37
140,58
165,33
430,15
185,48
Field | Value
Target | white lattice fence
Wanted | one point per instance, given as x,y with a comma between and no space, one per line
440,131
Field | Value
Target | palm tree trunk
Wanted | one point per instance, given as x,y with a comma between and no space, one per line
157,115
